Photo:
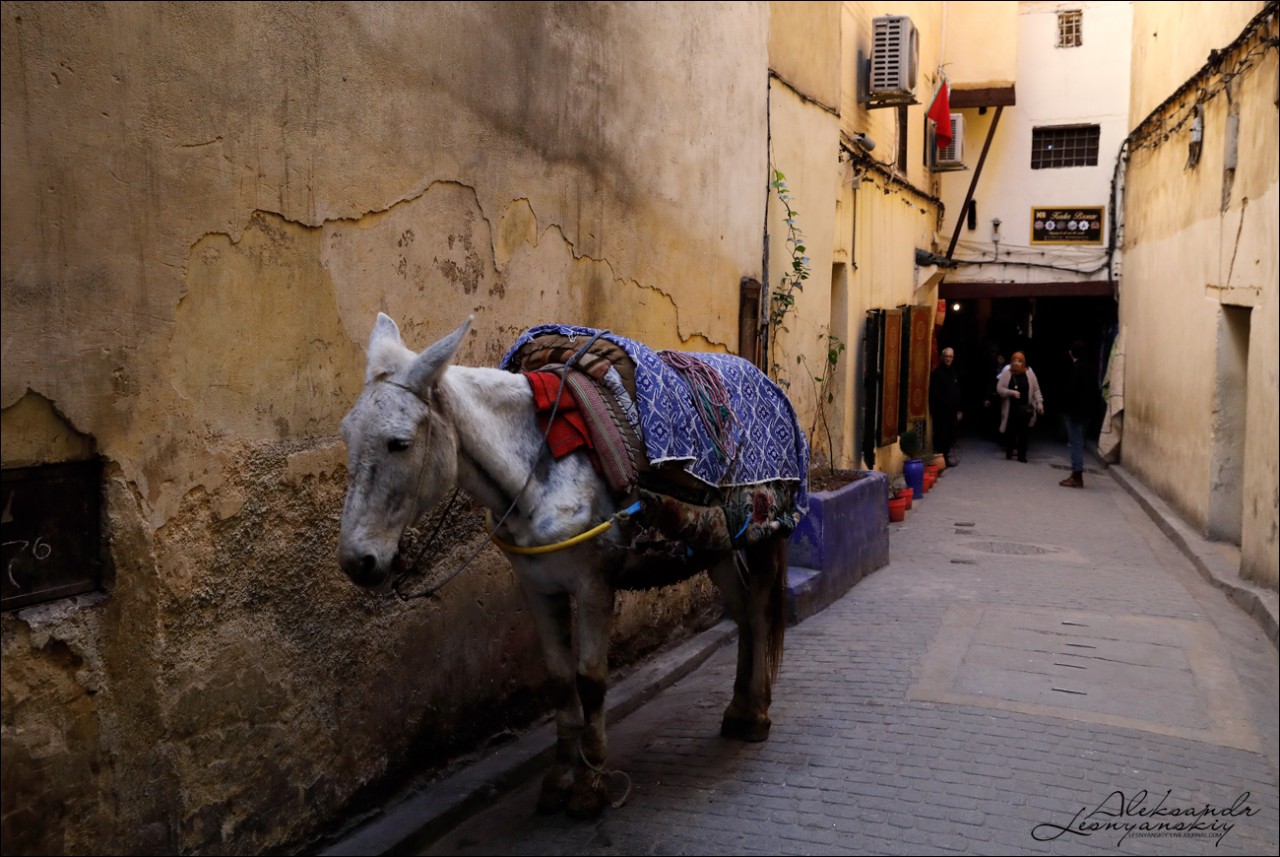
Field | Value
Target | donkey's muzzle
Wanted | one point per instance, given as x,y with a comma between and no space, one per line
364,570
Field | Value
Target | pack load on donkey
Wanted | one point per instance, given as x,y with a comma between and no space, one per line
709,446
671,464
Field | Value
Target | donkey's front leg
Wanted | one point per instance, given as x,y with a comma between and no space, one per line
551,616
595,624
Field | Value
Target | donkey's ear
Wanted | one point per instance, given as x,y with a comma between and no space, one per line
426,370
386,354
384,328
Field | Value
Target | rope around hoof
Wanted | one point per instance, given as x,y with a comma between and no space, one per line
602,772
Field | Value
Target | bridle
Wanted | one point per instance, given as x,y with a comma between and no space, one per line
406,569
411,568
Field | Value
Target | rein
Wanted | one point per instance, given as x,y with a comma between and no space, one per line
621,515
595,531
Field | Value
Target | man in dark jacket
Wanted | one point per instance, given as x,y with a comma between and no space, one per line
1077,409
945,402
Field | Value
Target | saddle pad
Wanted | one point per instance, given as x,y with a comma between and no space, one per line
568,431
768,442
582,419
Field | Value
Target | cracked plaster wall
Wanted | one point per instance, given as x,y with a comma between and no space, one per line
1187,255
204,206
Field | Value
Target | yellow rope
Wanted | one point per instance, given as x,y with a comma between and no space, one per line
567,543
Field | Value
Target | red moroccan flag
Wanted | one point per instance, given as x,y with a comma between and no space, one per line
940,113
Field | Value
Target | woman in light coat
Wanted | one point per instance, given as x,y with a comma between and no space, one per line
1023,402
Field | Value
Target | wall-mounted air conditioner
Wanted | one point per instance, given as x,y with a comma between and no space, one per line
895,57
951,156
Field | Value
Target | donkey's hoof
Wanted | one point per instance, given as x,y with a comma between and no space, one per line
552,800
744,729
588,796
556,786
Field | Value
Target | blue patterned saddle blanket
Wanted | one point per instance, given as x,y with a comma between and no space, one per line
765,442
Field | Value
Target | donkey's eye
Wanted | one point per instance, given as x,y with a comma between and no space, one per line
398,444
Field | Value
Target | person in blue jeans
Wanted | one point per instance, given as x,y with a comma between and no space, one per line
1080,398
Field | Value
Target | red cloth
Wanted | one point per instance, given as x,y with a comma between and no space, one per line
940,113
569,432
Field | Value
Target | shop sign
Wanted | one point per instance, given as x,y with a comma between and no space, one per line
1067,225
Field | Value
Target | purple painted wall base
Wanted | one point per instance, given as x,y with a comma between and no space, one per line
844,538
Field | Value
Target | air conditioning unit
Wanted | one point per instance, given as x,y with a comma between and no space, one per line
895,57
950,157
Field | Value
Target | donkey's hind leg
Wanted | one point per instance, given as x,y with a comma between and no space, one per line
551,616
595,624
753,583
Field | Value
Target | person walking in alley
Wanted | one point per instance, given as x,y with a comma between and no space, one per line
991,419
1023,402
1077,409
945,401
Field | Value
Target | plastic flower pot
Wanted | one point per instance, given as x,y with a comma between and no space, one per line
897,509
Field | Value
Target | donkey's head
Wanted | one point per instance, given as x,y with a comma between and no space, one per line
401,452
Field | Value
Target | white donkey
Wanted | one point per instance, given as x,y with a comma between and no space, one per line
422,426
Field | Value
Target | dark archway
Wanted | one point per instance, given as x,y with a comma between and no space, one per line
983,328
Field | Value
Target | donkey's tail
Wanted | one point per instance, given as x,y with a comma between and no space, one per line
776,610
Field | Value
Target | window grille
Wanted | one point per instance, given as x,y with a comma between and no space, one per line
1070,32
52,532
1064,146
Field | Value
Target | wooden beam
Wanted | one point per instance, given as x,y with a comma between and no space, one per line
951,290
991,96
973,184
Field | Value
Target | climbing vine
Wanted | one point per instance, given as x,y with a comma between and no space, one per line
782,301
824,396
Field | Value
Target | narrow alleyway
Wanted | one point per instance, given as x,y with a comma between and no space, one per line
1034,664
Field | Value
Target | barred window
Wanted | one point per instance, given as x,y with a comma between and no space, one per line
1064,146
52,532
1069,29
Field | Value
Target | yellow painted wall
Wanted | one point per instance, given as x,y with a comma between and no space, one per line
1191,248
1171,41
979,43
804,55
204,207
885,213
807,167
880,123
804,48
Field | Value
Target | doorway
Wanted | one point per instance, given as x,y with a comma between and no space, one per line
1227,426
985,331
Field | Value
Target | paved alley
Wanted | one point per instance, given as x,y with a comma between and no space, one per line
1037,670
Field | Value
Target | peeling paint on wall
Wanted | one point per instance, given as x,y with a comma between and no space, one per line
193,289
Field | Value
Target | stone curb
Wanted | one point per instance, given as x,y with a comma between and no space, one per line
414,822
1217,563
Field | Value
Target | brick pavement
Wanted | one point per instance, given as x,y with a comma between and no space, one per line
1029,653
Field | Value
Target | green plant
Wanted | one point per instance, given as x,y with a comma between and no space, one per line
909,443
783,300
823,395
